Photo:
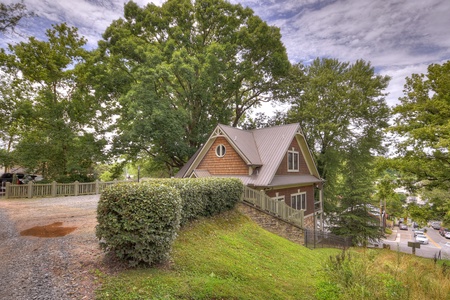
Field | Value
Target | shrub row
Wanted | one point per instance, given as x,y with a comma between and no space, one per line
140,221
204,197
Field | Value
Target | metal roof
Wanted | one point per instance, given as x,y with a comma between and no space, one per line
245,142
264,148
273,143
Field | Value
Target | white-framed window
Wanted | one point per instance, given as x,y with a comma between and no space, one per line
220,150
293,158
298,201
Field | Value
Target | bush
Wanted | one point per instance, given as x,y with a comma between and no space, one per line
204,197
139,222
221,194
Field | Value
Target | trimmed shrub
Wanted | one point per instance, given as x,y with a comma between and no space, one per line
205,196
192,195
139,222
221,194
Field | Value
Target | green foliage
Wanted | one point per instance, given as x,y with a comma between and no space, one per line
54,122
204,197
338,104
231,257
439,204
377,274
139,222
11,14
178,69
225,257
343,113
423,121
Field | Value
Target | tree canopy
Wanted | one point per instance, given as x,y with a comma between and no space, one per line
178,69
422,125
51,111
339,104
342,110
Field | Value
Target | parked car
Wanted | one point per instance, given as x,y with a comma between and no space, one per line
436,225
421,238
418,232
402,226
8,177
20,178
447,235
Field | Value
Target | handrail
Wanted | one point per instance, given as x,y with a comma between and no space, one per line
274,207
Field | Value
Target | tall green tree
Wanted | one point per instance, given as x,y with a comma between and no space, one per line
354,216
338,104
60,115
342,110
181,68
422,123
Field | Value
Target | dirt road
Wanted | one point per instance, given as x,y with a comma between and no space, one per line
48,248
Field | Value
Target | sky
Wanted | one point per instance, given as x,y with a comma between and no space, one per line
398,37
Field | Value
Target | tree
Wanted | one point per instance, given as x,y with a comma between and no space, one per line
422,120
342,110
10,15
181,68
59,116
354,217
338,104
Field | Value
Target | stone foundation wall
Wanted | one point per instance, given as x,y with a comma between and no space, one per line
273,224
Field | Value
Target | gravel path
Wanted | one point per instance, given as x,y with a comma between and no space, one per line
50,268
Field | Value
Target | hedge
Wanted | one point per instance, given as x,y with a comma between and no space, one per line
204,197
138,222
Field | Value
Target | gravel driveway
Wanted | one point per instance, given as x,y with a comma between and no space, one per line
62,267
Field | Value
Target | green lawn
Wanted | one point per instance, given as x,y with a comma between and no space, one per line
226,257
231,257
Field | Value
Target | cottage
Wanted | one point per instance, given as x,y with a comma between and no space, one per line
275,160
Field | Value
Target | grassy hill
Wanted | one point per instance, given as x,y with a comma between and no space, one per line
231,257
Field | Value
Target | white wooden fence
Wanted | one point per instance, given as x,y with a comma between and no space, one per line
274,207
54,189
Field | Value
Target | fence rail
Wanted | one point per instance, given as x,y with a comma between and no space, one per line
54,189
274,207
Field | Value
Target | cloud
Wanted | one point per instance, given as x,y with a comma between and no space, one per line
398,37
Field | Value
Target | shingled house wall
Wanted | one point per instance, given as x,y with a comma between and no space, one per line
230,164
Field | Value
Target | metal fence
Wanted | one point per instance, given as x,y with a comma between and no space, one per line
54,189
274,207
320,239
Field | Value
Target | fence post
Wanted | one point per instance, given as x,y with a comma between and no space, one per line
30,189
263,202
76,187
54,188
7,187
97,188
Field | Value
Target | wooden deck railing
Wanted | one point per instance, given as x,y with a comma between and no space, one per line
54,189
274,207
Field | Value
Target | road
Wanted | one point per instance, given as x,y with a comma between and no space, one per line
438,245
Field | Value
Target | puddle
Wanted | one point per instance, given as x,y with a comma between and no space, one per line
52,230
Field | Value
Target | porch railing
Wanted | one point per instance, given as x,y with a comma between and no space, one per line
54,189
274,207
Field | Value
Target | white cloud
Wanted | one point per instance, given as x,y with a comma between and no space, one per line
399,37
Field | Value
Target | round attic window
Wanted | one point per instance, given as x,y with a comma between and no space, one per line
220,150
